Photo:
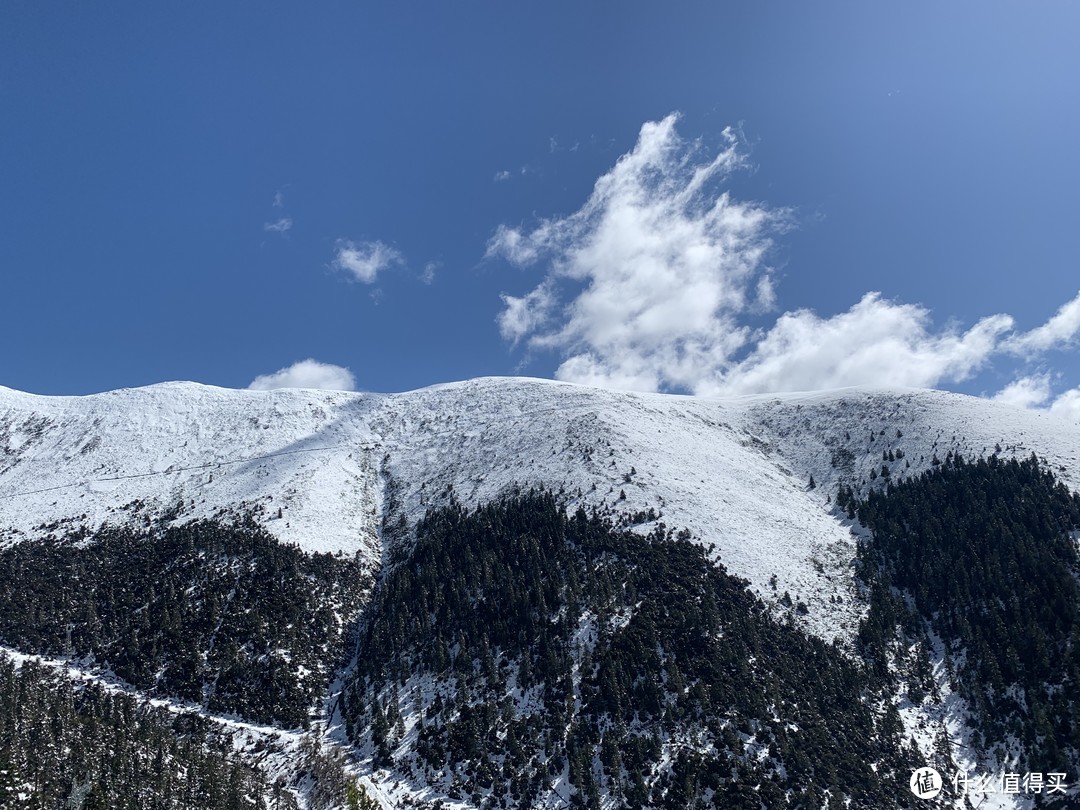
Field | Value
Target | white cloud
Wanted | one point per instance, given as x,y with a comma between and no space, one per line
281,226
525,314
1067,405
1025,392
428,276
307,374
510,244
279,199
501,176
1061,330
1034,392
649,286
365,260
663,265
876,342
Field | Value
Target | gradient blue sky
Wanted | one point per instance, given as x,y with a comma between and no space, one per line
925,151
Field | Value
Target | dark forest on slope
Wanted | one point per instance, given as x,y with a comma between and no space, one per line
986,555
218,614
517,649
557,647
79,745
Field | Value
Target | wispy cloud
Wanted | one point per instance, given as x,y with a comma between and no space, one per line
1035,391
307,374
876,342
660,265
364,260
1026,392
1067,405
650,285
1058,332
526,314
522,171
280,226
428,276
279,199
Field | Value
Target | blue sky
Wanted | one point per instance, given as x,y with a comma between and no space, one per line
420,193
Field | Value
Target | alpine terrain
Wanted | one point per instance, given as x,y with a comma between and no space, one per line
510,593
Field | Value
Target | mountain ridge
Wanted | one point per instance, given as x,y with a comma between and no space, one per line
735,473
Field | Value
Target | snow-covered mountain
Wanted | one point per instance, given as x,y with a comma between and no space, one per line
322,468
753,480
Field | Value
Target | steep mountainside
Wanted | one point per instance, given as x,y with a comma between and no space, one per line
509,592
522,653
315,467
219,615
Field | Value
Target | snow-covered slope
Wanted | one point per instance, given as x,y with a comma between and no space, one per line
132,453
735,473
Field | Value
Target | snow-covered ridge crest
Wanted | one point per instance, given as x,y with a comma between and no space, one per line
320,468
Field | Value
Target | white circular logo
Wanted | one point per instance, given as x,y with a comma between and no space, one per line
925,783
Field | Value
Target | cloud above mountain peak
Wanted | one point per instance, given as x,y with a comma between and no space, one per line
654,283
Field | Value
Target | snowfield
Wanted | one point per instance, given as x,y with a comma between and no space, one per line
322,469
